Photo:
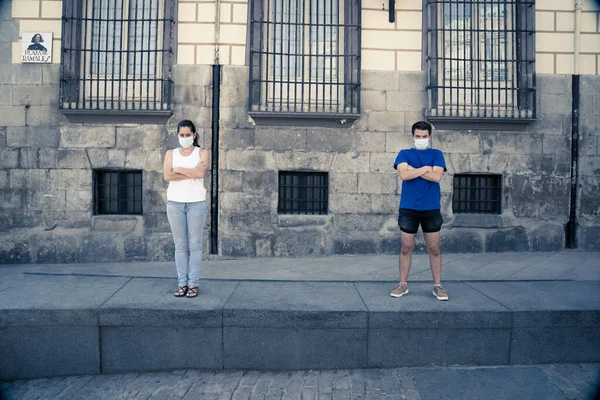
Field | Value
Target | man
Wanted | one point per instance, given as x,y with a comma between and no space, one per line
420,169
37,39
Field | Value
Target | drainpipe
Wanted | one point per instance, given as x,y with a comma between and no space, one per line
216,85
572,224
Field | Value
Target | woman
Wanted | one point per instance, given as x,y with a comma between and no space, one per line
184,168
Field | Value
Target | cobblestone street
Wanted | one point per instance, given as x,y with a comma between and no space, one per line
561,381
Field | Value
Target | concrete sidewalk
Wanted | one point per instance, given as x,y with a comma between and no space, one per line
566,265
300,313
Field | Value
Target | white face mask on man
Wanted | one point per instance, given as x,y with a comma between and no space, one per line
186,142
421,144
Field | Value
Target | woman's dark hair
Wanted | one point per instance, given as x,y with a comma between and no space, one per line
186,123
422,126
37,34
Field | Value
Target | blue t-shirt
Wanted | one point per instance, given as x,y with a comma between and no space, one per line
420,194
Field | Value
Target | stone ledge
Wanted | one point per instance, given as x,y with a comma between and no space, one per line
132,325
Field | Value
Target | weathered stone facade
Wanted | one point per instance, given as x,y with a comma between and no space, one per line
46,166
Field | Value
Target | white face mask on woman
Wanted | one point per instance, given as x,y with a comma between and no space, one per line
186,142
421,144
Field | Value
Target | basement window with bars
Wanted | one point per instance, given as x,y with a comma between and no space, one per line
477,194
305,61
305,193
116,60
481,59
117,192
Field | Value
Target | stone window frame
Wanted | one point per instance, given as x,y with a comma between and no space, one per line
476,218
71,103
352,45
527,81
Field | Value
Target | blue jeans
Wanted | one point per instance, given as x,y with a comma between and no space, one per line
187,225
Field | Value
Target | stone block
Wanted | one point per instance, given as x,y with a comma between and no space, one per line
343,182
485,221
21,74
353,223
331,140
589,238
555,104
390,245
526,189
235,75
53,249
118,223
231,181
4,179
458,142
273,348
281,139
382,163
44,200
79,200
351,162
354,245
386,121
461,241
147,137
29,158
51,74
143,348
14,250
300,243
47,158
547,237
345,203
6,95
154,200
555,144
237,246
437,347
249,160
406,100
235,117
240,203
548,345
396,141
377,183
260,182
553,84
235,95
385,204
70,179
513,239
18,178
191,94
156,222
12,115
49,351
35,95
299,160
249,221
87,136
373,100
160,247
116,158
192,75
42,115
98,157
291,221
373,142
550,125
380,80
72,159
237,138
11,199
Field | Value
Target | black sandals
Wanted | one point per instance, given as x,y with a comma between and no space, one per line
181,291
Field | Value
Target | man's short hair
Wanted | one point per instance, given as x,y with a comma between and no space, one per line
422,126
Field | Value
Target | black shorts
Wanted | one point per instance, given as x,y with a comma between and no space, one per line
409,220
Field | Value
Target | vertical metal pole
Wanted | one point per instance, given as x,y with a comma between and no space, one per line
214,193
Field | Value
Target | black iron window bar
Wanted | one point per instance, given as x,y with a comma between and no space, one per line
117,54
305,56
474,193
481,58
118,192
303,193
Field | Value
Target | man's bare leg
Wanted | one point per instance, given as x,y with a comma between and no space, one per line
408,244
432,241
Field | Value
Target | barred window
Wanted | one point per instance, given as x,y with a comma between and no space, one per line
117,192
481,59
477,193
303,192
117,56
305,58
